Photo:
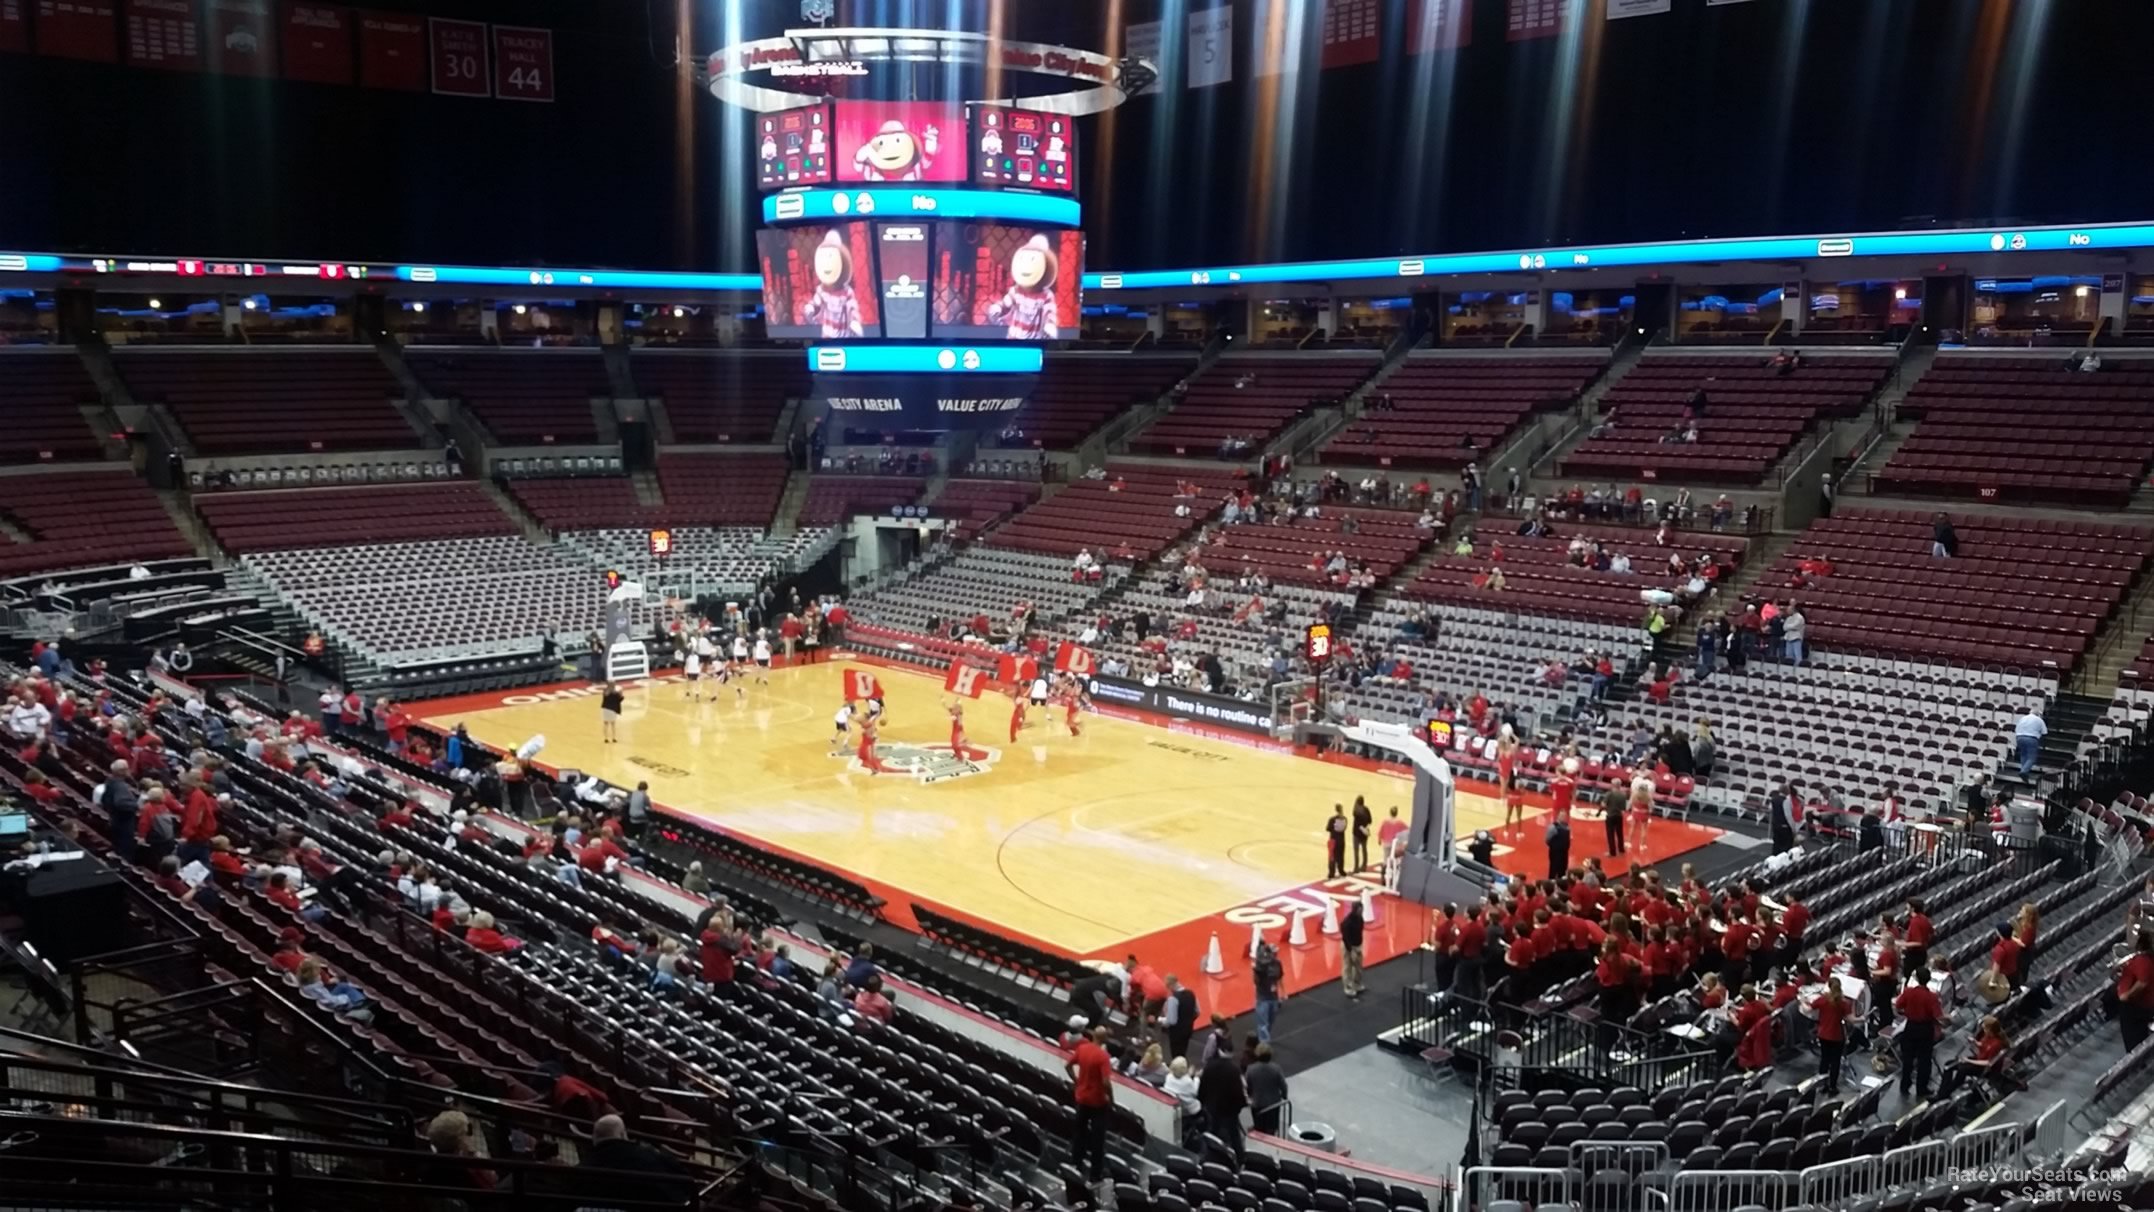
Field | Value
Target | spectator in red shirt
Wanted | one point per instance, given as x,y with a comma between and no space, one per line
289,955
223,861
1917,933
281,895
1793,925
718,949
593,856
872,1004
37,788
401,816
485,937
1754,1031
351,712
2135,992
2004,957
1092,1090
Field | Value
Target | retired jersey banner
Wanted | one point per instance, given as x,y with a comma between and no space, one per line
1434,25
1353,32
965,679
1210,52
1074,658
240,40
523,63
1141,41
1525,20
318,43
1619,9
14,27
392,51
164,33
860,684
459,58
79,29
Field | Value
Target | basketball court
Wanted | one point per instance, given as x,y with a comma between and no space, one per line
1138,835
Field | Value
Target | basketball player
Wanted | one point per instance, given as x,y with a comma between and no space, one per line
692,671
875,709
1514,807
609,712
867,748
1039,690
762,658
842,722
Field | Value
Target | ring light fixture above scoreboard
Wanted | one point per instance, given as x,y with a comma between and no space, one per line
765,74
813,205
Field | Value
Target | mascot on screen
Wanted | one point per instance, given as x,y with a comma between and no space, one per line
1028,307
834,306
895,155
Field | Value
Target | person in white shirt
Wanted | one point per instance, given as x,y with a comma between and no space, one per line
1039,691
2027,738
1181,1085
692,669
1794,628
761,652
1619,563
28,719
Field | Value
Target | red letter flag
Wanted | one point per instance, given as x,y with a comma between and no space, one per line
860,684
964,679
1071,658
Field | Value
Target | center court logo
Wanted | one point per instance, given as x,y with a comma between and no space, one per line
928,763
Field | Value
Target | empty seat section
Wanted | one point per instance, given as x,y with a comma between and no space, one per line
833,498
978,504
234,402
334,517
1079,392
2022,593
79,518
523,397
585,503
1135,504
721,396
1252,397
42,392
1439,411
1754,413
2026,429
722,489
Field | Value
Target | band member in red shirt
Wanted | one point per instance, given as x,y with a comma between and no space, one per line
1617,974
1832,1009
1918,934
1918,1037
2005,956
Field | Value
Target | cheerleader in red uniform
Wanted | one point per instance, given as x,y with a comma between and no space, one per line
1563,788
1072,701
1514,808
957,730
1017,714
866,754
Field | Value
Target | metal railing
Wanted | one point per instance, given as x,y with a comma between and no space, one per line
1532,1186
1720,1190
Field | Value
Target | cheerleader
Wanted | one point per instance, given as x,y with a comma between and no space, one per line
842,723
1514,806
866,753
1640,814
740,667
1073,701
957,729
1017,715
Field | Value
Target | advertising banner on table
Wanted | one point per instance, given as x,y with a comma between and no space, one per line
924,403
79,29
392,51
458,58
1353,32
1191,705
1526,20
1434,25
1619,9
1210,52
317,43
523,63
900,141
164,33
240,40
1141,41
14,28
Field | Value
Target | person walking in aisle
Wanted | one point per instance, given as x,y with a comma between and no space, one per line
1267,973
1178,1018
1350,932
1092,1090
